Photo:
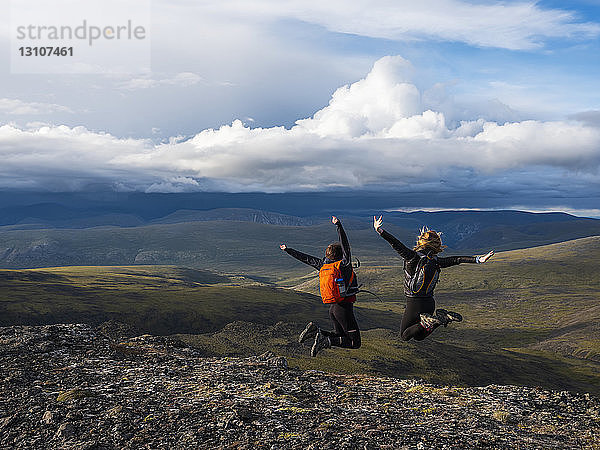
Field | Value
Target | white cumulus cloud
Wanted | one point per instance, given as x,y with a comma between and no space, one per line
374,132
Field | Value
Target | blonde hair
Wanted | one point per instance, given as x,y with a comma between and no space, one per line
429,240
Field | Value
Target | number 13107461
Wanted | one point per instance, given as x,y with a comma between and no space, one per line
46,51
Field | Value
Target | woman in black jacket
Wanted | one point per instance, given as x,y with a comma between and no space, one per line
421,272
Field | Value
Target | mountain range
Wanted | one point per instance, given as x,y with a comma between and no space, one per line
245,241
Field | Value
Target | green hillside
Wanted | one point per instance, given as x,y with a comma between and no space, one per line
530,315
154,299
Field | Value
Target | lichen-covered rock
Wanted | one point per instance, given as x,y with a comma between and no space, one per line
73,394
70,386
48,418
65,431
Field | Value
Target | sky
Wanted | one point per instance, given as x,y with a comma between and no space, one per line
500,99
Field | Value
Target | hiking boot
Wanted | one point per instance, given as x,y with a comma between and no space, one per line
446,317
308,333
428,321
321,342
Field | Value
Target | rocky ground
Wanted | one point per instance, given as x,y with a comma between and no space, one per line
73,386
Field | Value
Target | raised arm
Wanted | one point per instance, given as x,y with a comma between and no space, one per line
455,260
347,257
303,257
402,249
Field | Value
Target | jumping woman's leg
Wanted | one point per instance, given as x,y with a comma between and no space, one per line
410,326
346,333
337,327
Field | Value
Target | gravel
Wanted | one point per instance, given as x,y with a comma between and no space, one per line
76,387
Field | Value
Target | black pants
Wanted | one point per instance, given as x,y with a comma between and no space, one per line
345,328
410,326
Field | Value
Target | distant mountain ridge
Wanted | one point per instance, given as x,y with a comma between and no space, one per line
49,215
20,207
240,232
237,214
241,242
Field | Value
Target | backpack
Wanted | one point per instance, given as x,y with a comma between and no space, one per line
426,276
333,286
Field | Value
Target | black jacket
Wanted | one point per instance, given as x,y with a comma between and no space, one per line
411,259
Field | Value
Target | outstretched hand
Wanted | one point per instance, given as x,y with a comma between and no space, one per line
485,257
283,246
335,220
377,222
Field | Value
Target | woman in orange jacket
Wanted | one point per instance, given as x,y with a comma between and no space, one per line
338,289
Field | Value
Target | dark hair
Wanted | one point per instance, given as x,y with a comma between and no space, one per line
334,252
